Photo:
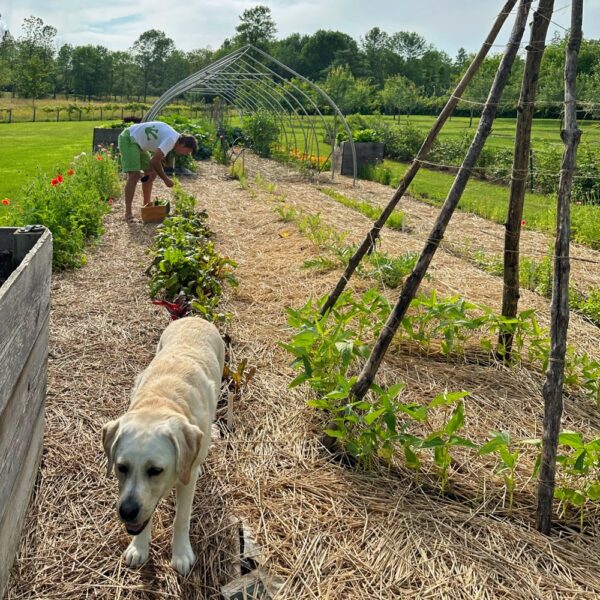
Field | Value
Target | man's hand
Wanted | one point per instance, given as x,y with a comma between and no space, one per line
168,182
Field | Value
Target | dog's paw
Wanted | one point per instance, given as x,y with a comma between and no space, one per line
183,560
134,556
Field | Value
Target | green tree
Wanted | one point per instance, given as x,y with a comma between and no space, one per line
399,95
63,70
256,27
91,71
125,75
409,45
34,60
150,51
289,51
176,69
376,47
8,55
324,49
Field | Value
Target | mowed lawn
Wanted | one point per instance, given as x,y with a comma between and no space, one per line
27,147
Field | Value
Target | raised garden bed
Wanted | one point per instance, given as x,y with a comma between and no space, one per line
367,153
25,270
105,136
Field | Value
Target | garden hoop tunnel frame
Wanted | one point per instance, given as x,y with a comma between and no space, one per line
251,80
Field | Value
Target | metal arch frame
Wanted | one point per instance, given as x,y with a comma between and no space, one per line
247,82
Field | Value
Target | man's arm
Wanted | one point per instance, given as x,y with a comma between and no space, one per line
156,164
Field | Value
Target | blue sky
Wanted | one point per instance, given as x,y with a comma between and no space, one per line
200,23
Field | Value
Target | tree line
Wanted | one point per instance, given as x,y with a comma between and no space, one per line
395,72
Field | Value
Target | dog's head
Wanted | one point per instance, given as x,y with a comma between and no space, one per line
148,456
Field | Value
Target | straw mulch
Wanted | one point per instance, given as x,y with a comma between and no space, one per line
327,530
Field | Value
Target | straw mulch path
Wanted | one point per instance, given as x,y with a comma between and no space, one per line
327,530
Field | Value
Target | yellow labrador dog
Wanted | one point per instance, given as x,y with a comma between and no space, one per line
162,440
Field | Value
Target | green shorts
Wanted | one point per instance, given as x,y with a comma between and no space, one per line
133,158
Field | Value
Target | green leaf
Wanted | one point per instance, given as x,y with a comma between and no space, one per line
299,380
456,440
319,403
373,416
571,439
457,420
335,433
446,398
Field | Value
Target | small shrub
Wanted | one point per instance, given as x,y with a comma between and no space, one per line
262,131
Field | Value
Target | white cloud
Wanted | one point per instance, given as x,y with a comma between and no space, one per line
115,24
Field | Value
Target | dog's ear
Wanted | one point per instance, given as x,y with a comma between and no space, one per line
187,440
109,439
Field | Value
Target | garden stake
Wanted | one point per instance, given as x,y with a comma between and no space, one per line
460,182
369,242
560,296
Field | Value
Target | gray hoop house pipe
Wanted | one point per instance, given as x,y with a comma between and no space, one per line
249,80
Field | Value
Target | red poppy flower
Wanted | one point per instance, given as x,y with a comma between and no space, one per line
71,172
60,178
5,201
55,182
523,222
98,157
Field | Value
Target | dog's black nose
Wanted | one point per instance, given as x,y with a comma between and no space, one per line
129,510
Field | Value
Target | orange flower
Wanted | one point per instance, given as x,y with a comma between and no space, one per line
5,201
98,157
71,172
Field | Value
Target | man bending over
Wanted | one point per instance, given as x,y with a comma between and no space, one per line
143,147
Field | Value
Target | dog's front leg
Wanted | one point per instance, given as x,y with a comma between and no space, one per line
136,554
183,555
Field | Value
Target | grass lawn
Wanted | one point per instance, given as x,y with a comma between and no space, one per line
25,147
491,201
545,131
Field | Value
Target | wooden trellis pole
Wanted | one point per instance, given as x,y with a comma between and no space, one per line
560,296
454,99
518,182
437,233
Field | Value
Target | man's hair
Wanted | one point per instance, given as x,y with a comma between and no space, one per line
189,141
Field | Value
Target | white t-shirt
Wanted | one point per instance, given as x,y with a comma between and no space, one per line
153,135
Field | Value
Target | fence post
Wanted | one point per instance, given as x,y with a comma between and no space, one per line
10,115
34,114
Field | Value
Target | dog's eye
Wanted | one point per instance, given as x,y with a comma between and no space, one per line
154,471
122,469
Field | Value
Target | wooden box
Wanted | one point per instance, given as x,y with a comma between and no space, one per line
25,271
105,136
155,214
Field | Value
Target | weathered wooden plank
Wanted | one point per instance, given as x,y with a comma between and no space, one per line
24,307
18,419
12,521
